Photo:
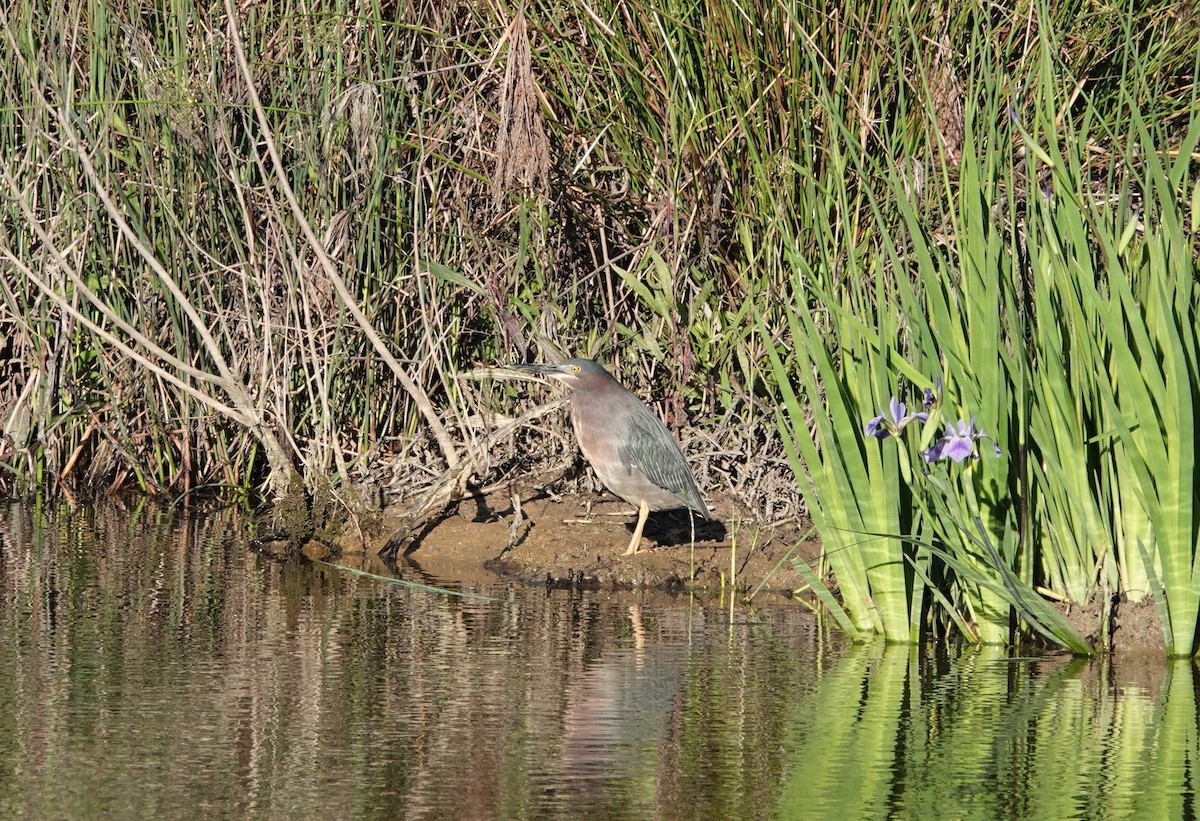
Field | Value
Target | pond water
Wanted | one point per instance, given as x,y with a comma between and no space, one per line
154,667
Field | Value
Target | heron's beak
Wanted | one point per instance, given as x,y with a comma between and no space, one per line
540,370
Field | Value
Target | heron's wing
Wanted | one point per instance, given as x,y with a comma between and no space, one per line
651,448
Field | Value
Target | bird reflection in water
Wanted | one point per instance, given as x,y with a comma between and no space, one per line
619,710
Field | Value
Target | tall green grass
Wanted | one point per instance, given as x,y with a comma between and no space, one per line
1053,292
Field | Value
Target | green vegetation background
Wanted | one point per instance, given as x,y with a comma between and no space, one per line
273,245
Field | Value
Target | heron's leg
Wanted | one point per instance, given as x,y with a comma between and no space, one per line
635,542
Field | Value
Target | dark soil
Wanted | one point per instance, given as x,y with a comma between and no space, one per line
1136,626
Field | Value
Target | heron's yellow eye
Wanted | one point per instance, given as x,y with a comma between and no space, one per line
574,369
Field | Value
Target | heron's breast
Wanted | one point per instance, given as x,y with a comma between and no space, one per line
601,427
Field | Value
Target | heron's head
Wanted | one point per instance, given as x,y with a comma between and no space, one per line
574,373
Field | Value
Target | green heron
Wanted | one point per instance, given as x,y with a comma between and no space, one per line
630,449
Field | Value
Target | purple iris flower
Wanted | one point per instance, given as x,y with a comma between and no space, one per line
892,421
958,443
931,395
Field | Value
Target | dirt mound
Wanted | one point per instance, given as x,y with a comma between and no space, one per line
580,542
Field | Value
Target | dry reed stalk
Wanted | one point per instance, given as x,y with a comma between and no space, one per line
946,97
522,150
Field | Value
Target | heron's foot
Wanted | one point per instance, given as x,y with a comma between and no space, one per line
635,547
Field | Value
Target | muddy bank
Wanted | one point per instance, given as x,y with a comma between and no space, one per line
579,541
